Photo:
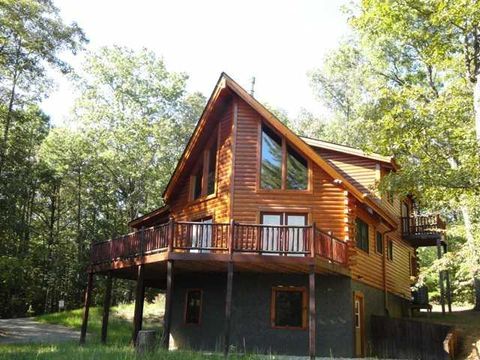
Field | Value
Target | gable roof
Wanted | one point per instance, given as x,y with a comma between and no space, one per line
348,150
225,82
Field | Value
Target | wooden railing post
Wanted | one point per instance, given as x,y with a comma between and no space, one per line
312,240
331,245
142,240
171,234
231,238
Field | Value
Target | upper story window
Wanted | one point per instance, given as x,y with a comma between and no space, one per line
281,166
362,235
389,249
379,242
202,181
297,170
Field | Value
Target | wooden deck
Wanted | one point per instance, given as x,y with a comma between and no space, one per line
423,230
210,247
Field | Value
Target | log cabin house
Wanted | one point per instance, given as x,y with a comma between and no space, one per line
269,242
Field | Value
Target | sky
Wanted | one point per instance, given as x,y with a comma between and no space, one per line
275,41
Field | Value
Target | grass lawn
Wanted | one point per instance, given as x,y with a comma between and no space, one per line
119,334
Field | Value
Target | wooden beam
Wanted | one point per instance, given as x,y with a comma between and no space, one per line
312,321
440,276
106,307
167,317
139,299
86,308
228,309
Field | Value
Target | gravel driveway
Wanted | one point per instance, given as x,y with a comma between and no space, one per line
27,330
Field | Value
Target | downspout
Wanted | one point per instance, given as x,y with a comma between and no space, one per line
384,266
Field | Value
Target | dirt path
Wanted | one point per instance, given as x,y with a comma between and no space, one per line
27,330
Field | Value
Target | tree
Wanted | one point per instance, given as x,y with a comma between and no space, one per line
32,35
341,84
137,117
411,100
132,119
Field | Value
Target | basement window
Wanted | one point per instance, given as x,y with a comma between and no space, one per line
289,307
193,306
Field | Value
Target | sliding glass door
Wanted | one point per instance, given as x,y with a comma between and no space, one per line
276,240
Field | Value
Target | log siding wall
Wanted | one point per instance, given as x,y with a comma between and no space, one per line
217,206
326,203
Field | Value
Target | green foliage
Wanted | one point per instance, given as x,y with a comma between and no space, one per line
398,86
64,188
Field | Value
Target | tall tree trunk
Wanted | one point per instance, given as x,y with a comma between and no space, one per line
8,117
476,106
79,216
473,251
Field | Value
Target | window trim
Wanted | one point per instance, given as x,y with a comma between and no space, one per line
301,289
205,156
187,291
284,170
367,250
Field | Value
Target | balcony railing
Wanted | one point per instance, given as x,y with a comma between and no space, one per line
223,238
422,225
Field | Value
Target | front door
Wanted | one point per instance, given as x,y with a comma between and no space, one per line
359,324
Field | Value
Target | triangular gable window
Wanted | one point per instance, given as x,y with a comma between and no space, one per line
281,168
203,178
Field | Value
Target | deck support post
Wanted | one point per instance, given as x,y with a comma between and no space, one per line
312,321
440,276
106,308
139,299
228,309
167,317
86,308
447,282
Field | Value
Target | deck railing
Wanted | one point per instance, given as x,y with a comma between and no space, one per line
197,237
422,225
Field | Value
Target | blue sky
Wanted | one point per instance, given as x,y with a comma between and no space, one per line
278,42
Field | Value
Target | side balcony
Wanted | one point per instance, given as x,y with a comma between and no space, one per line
210,246
423,230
